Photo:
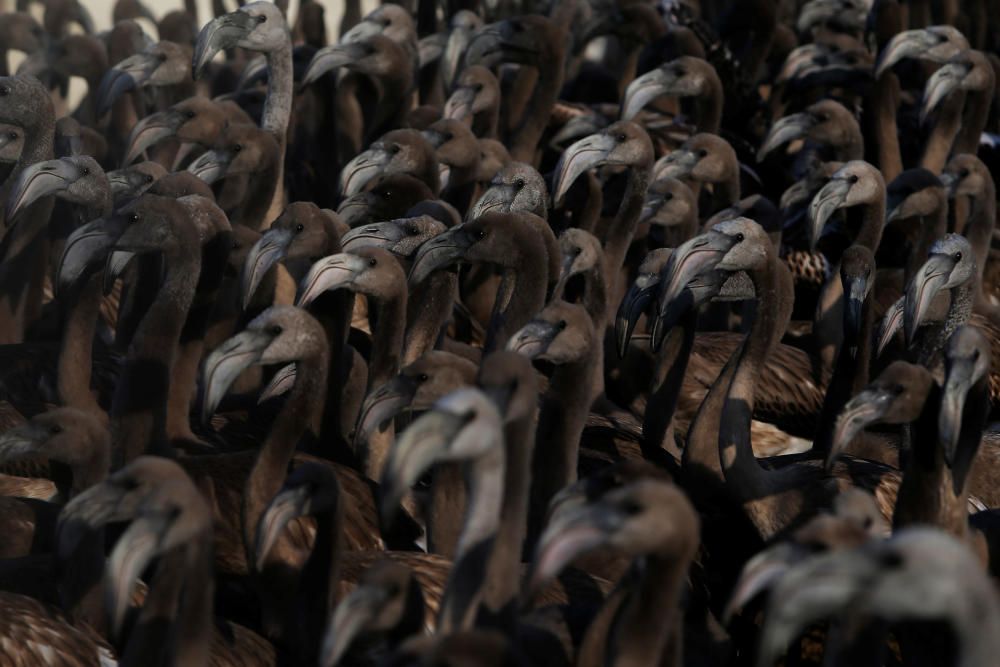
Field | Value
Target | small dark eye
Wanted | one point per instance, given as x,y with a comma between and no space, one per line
958,256
55,429
86,171
387,194
394,149
519,183
631,507
4,91
853,178
667,196
560,325
261,19
134,218
822,118
149,178
12,135
412,230
481,234
236,245
702,153
189,114
372,262
299,227
274,330
621,137
237,148
898,389
963,173
740,237
423,377
577,251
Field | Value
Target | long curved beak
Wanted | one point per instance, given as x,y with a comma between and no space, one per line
645,89
430,49
150,130
459,104
823,205
922,290
254,71
224,365
856,293
760,573
127,75
496,197
362,169
418,448
959,379
331,57
589,152
864,409
221,33
384,403
20,442
892,322
290,504
570,533
454,50
565,273
634,304
677,164
100,504
281,383
354,210
692,260
942,83
785,130
114,267
533,339
439,252
269,249
354,613
37,181
361,31
211,166
487,46
133,552
379,235
329,273
911,44
85,250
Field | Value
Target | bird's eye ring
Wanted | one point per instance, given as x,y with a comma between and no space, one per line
372,262
299,227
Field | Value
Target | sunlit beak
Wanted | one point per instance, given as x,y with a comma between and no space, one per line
290,504
497,197
37,181
382,404
439,252
265,253
863,410
922,290
942,83
150,130
645,89
133,552
823,205
361,31
585,154
225,364
331,57
362,169
533,339
329,273
127,75
959,378
221,33
352,615
633,305
785,130
459,104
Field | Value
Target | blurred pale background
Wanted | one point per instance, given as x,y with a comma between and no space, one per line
100,10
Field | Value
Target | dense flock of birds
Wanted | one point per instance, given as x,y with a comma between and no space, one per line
549,332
